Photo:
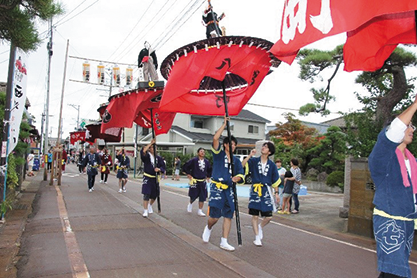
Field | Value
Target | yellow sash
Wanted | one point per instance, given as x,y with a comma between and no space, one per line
257,187
386,215
194,181
220,185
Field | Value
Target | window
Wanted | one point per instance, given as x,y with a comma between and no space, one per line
197,122
253,129
232,126
145,131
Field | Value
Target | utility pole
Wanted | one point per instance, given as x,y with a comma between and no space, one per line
46,144
78,115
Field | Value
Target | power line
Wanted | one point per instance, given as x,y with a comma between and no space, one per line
281,108
134,27
136,40
56,25
67,14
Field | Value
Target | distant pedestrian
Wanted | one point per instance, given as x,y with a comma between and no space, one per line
198,170
49,160
177,167
123,164
30,160
92,162
287,193
153,166
265,181
64,159
81,157
106,163
296,172
281,173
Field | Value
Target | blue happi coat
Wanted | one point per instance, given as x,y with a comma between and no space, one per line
394,238
221,173
269,177
149,185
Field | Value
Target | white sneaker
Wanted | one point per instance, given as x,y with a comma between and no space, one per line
145,213
150,209
101,181
105,182
260,232
190,208
90,190
120,191
124,190
257,241
206,234
201,213
226,246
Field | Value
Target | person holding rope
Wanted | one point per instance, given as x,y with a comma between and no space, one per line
198,170
221,199
153,166
265,181
92,161
123,163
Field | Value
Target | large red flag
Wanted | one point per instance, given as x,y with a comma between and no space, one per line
111,135
77,136
304,22
369,46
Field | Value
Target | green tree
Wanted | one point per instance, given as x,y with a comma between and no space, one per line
389,91
292,140
17,21
329,153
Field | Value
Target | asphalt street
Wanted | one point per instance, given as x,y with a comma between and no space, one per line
74,233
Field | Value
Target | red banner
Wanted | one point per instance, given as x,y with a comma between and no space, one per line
368,47
94,132
304,22
162,121
77,136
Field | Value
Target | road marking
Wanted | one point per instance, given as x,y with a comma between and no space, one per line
70,175
78,266
304,231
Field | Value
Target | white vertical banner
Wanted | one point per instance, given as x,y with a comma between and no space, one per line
18,98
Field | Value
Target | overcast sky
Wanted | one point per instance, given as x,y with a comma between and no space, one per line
115,33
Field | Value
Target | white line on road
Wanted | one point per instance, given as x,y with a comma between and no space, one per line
306,232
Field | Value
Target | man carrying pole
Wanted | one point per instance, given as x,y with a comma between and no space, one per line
221,199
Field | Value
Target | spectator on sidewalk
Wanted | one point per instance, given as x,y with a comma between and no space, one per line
287,193
281,173
80,161
92,162
198,170
265,181
30,160
153,166
296,177
221,199
394,171
49,160
177,167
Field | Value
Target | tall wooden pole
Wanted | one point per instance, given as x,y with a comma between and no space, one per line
46,143
229,135
158,199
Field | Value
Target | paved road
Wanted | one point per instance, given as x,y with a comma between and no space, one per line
102,234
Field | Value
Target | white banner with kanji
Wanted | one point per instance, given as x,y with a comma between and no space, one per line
18,98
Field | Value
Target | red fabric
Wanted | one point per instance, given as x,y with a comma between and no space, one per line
145,59
250,63
123,108
162,121
94,132
368,47
342,16
77,136
127,108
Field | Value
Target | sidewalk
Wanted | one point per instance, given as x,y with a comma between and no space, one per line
11,231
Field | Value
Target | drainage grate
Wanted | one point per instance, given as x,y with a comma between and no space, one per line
21,207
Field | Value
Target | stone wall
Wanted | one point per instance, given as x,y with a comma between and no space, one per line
320,186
